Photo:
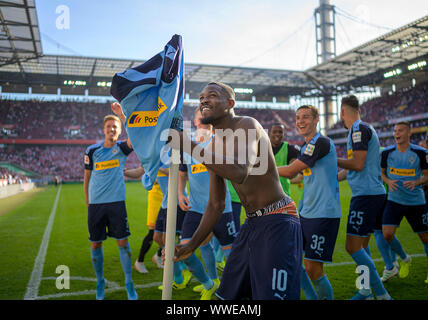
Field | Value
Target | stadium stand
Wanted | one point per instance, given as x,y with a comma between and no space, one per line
408,104
40,136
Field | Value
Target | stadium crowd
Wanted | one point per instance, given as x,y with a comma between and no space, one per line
8,177
83,120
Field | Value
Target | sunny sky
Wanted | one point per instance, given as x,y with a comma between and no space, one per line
277,34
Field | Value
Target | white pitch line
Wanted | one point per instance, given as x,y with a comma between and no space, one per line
36,275
93,292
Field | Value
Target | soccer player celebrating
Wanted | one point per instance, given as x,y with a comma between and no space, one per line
368,192
320,213
265,260
405,170
104,188
284,152
199,181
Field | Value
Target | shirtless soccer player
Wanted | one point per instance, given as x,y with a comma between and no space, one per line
265,260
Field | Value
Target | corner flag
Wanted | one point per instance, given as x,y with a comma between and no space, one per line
151,96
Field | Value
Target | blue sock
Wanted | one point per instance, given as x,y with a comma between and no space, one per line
207,253
393,255
97,258
226,252
384,249
196,267
362,258
306,286
181,265
219,255
426,248
178,276
323,288
125,259
368,251
398,248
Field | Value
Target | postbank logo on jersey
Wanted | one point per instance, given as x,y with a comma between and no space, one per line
146,118
402,172
198,168
350,154
103,165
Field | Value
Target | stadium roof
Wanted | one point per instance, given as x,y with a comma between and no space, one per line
55,69
367,64
23,65
19,35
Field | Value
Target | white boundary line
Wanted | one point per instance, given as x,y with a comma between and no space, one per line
112,286
36,275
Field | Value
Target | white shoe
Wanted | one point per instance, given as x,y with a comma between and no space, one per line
389,274
140,267
396,264
157,261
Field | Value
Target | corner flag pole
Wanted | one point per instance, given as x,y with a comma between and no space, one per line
171,220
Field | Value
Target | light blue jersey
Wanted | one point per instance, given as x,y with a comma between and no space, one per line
368,181
162,179
199,182
405,166
321,194
107,182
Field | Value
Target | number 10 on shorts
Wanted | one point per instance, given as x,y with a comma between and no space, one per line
279,280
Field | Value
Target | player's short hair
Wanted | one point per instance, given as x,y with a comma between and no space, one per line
351,101
314,110
277,124
111,117
406,123
227,90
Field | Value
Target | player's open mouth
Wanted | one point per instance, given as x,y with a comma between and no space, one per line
205,108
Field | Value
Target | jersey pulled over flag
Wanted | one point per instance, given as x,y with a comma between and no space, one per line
151,96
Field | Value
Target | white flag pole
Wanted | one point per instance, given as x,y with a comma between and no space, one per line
171,221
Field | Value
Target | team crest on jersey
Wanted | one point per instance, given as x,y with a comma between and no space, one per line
114,151
411,160
86,159
356,137
309,151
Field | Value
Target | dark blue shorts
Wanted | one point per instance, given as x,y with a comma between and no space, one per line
417,216
319,238
108,219
363,213
236,210
224,230
160,225
266,260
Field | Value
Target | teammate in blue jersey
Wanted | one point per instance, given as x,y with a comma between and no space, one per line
405,169
320,213
368,192
266,257
225,231
104,188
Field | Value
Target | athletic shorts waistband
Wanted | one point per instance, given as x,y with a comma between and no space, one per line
283,206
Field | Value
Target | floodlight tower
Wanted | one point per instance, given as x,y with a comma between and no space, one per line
325,32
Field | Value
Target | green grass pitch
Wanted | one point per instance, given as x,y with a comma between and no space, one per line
22,235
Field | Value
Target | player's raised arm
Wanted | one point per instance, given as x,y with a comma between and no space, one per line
135,173
117,110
